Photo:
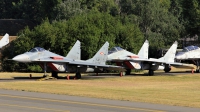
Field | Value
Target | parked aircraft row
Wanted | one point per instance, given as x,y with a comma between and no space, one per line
124,60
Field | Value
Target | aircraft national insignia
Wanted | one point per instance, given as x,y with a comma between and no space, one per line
101,53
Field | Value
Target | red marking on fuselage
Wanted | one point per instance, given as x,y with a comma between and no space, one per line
119,63
101,53
52,66
57,58
135,56
128,64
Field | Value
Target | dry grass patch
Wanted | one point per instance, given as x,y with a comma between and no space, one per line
182,90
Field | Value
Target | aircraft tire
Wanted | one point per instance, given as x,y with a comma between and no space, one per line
151,72
128,71
197,70
167,68
54,74
78,75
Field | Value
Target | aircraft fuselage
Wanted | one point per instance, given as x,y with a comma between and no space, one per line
38,54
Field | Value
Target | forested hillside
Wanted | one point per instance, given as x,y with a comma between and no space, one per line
124,23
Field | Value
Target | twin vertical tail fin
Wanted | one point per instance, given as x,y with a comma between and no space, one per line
143,53
4,41
101,56
75,52
170,55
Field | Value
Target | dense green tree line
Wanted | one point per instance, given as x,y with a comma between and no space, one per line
125,23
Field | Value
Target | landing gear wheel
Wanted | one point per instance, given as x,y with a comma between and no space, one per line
151,72
54,74
78,75
128,71
197,66
167,68
197,70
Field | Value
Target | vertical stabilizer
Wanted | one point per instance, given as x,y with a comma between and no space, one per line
170,55
75,52
4,41
143,53
101,56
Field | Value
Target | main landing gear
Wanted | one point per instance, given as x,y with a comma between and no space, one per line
54,74
167,68
151,72
45,69
197,68
78,75
128,71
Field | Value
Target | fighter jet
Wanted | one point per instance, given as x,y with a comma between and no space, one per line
4,41
190,54
71,63
141,61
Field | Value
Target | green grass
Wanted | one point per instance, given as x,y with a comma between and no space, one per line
181,90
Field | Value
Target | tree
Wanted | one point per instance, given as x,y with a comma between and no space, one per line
158,24
191,15
36,11
5,8
67,9
95,28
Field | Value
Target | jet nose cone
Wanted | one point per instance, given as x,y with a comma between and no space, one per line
22,58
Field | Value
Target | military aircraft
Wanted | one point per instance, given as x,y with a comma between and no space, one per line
141,61
71,63
190,54
4,41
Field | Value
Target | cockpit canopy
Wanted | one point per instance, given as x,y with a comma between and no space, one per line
37,49
114,49
190,48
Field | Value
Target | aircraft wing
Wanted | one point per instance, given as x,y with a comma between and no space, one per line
152,60
94,65
191,59
122,60
49,60
174,64
182,65
80,63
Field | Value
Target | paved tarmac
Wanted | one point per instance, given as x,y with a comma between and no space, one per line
23,101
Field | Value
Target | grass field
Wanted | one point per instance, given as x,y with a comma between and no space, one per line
181,90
